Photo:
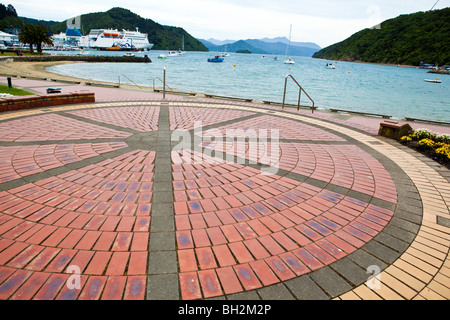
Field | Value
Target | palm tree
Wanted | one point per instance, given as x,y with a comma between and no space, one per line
25,35
35,35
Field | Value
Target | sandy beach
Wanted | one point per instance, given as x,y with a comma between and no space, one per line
38,70
34,69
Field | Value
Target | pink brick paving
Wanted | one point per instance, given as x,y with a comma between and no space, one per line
184,118
53,127
266,229
21,161
288,129
236,229
343,165
140,118
97,218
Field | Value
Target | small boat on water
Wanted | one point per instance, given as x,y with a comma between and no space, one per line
129,54
162,56
289,61
433,80
173,54
330,66
216,58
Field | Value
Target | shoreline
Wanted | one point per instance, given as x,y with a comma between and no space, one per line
373,63
38,70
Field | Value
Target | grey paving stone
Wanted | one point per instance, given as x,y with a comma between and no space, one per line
305,289
250,295
163,287
162,241
162,262
275,292
364,260
350,271
330,281
162,224
381,251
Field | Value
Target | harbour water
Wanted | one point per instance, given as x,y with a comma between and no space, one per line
396,91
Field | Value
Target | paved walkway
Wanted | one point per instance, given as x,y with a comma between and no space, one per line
134,196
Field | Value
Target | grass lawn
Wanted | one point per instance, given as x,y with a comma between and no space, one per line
14,91
13,54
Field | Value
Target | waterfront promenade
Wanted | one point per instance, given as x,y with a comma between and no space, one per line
98,202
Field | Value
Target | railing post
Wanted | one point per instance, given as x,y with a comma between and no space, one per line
164,84
299,93
284,93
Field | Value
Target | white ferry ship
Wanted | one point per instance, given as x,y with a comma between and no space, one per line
112,39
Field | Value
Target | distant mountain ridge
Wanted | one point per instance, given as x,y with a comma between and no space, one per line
408,39
163,37
276,46
167,37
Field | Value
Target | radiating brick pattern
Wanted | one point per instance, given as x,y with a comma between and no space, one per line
99,187
343,165
185,118
141,118
21,161
262,229
287,129
54,127
96,218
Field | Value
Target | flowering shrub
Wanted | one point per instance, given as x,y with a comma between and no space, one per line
444,138
435,145
420,134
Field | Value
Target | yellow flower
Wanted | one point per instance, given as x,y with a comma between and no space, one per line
444,151
405,139
426,143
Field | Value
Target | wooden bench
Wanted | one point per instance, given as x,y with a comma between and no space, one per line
53,90
394,129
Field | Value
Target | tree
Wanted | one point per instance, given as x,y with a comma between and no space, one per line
35,35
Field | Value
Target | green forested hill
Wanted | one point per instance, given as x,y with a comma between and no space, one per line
163,37
407,39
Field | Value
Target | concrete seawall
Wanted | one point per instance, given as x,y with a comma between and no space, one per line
45,58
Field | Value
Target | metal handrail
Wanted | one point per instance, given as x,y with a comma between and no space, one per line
128,80
299,94
162,83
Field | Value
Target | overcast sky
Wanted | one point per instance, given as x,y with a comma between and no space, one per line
321,21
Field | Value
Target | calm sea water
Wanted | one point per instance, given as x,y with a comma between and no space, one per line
396,91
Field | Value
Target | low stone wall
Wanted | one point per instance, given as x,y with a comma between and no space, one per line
44,100
44,58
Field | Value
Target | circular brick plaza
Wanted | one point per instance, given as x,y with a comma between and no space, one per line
257,203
